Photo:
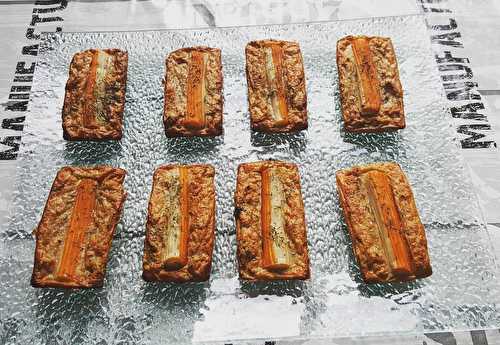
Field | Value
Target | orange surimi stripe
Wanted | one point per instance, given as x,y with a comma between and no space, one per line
265,218
177,262
274,68
195,112
184,181
269,256
388,220
277,52
367,76
88,97
81,219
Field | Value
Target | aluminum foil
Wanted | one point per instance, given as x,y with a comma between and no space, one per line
461,294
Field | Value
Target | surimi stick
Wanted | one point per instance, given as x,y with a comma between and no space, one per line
81,219
276,246
177,230
89,99
180,228
275,79
368,83
388,221
195,113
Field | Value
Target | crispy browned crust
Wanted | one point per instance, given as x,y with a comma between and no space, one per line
51,231
391,114
115,87
367,245
201,228
258,89
175,100
248,221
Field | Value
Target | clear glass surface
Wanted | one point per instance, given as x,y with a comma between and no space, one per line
461,294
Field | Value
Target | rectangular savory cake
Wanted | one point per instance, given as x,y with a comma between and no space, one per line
180,229
276,86
95,95
74,235
193,93
370,90
270,222
387,235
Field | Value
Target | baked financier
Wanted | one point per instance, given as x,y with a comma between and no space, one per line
370,90
270,222
387,235
74,235
95,95
276,86
193,93
180,228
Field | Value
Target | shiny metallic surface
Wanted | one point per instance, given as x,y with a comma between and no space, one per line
461,294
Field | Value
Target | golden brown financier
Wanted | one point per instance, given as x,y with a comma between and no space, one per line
95,95
180,229
74,235
387,235
276,86
193,93
270,222
370,89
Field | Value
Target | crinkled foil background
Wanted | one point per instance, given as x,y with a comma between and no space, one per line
461,293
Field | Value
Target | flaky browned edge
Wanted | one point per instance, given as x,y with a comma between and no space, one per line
170,130
418,274
260,127
116,133
276,276
345,111
149,275
98,283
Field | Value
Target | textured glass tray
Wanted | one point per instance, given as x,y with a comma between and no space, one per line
461,294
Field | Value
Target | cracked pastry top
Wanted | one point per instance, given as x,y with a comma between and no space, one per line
180,229
370,89
270,222
193,99
276,86
387,235
74,235
95,95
